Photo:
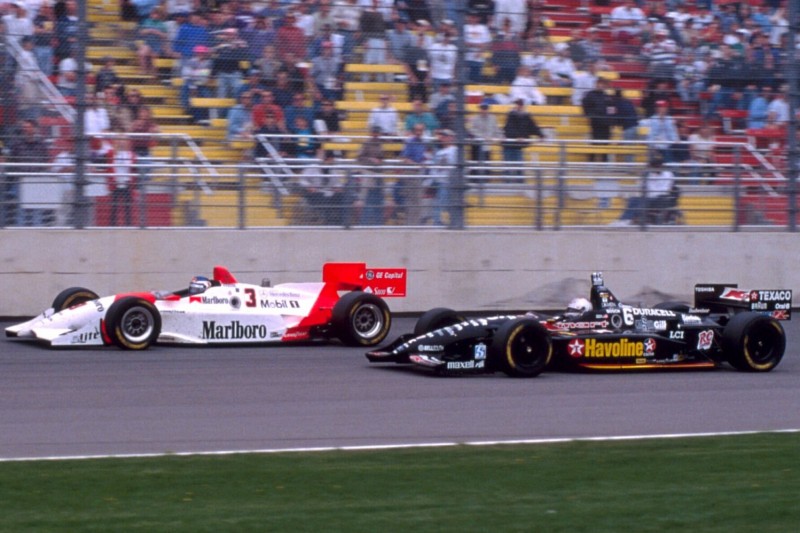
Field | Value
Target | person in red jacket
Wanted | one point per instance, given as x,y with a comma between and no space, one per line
121,168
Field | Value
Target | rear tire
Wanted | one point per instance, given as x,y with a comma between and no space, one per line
753,342
133,323
72,297
521,348
361,319
434,319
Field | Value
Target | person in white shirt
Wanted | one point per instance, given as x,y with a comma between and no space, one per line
560,67
17,23
443,56
627,21
659,184
347,15
779,107
477,39
583,81
384,117
445,159
524,87
515,11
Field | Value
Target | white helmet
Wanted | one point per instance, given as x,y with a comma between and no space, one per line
579,305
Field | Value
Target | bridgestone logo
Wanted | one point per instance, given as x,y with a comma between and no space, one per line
233,331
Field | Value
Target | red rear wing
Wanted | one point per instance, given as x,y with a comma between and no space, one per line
383,282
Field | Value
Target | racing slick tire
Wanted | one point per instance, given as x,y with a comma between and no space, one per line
678,307
434,319
73,296
133,323
753,342
521,348
361,319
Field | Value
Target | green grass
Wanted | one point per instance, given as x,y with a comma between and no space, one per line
726,484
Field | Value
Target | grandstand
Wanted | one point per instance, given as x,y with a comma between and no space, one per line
200,177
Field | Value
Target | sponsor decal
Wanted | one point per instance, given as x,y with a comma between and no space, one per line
86,337
480,352
770,296
388,274
285,294
705,339
279,304
370,275
621,348
677,335
233,331
464,365
297,335
602,324
689,319
631,313
704,289
735,294
780,315
98,306
209,300
430,347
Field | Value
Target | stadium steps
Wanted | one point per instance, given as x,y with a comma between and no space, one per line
707,210
221,209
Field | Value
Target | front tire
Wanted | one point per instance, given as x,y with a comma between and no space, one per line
753,342
72,297
521,348
434,319
361,319
133,323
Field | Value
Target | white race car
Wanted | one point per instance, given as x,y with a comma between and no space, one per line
346,305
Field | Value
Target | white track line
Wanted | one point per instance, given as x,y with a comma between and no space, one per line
398,446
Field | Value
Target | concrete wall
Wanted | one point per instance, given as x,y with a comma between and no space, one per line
469,270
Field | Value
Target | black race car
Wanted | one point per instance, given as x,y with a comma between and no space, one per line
725,324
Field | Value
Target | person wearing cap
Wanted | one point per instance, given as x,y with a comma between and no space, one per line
229,54
192,33
196,74
517,131
484,130
443,56
240,118
662,133
443,163
661,54
399,38
326,71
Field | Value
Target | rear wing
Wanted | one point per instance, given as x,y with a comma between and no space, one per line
776,303
383,282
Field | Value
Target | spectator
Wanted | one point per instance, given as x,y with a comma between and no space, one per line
119,116
757,110
291,38
370,198
439,100
106,76
484,130
661,55
627,120
399,39
662,132
133,101
417,68
779,107
240,118
275,135
655,91
154,37
326,72
689,78
143,124
517,131
253,85
258,36
627,21
43,38
524,87
298,108
30,198
536,26
320,39
513,11
344,43
29,95
226,64
601,110
267,106
443,56
67,81
419,114
305,19
445,158
17,23
274,11
284,91
477,40
63,167
448,117
66,28
303,144
384,117
506,54
121,169
409,189
701,150
560,68
268,65
659,184
373,31
96,120
326,119
347,15
324,189
583,81
415,10
323,17
725,77
295,76
196,74
191,35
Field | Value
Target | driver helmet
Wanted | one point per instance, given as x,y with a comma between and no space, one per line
199,284
579,306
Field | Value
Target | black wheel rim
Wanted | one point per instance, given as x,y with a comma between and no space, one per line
368,321
137,324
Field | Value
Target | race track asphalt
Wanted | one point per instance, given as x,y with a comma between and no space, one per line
171,399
